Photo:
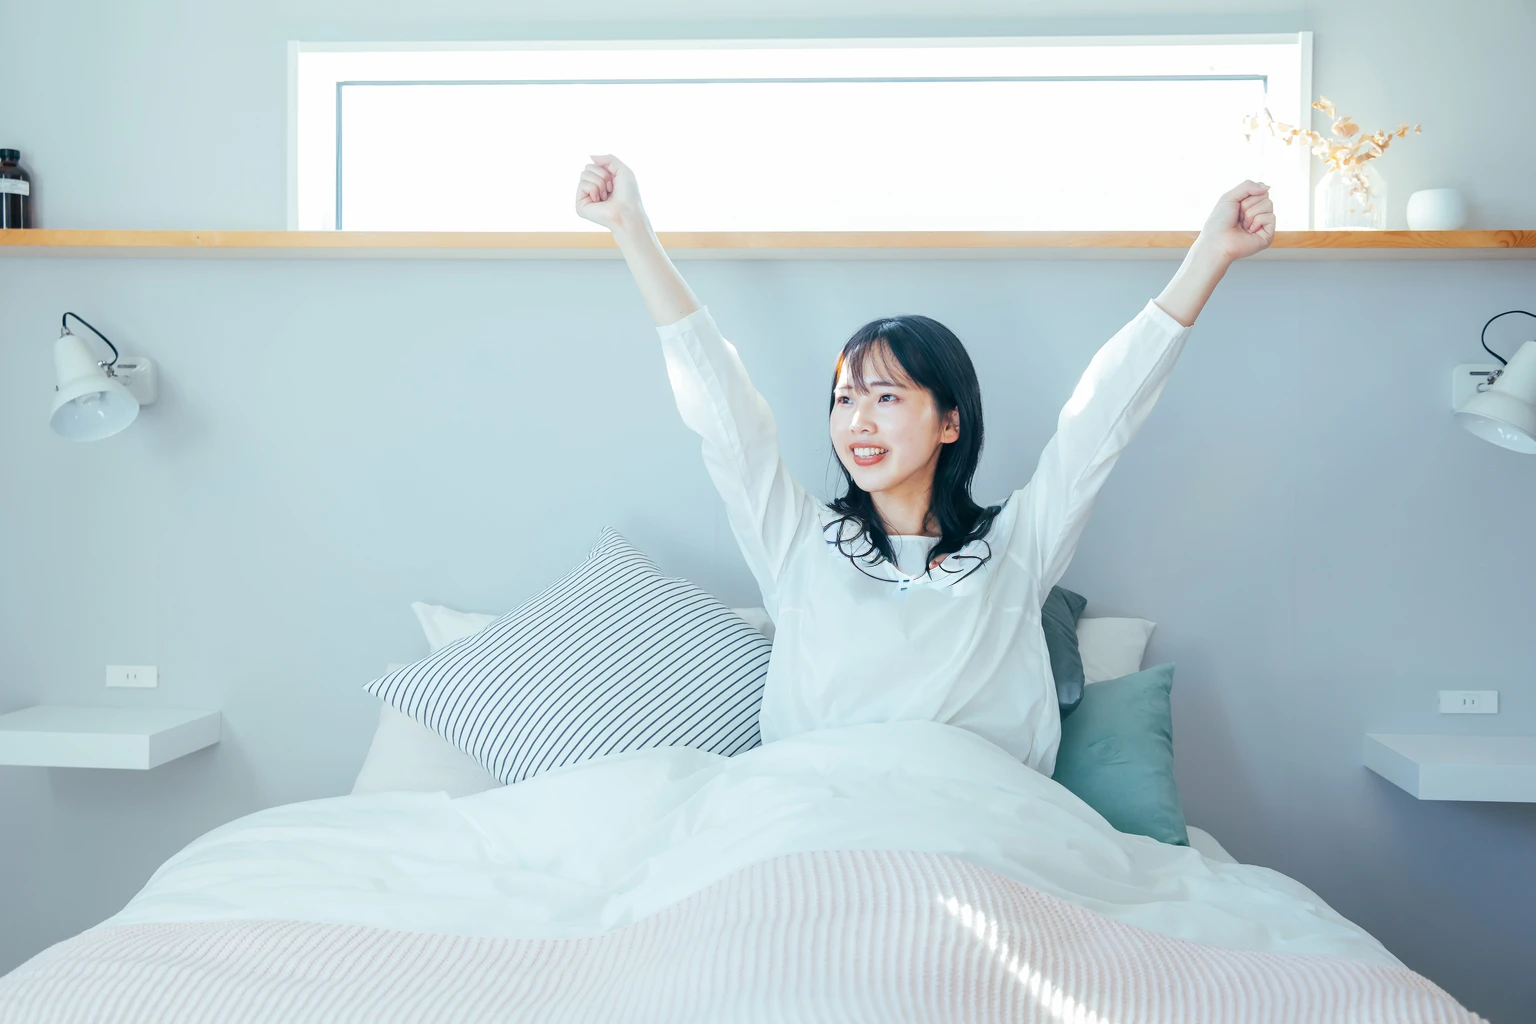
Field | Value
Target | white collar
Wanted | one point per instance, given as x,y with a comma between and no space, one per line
856,552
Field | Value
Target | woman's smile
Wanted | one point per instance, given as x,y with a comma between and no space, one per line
867,454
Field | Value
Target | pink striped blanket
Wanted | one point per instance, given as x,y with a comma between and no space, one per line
827,937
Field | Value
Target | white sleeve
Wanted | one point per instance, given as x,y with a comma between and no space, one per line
766,506
1110,403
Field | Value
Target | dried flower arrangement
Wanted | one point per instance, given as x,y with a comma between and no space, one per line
1340,154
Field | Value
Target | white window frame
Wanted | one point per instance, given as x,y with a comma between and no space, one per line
317,70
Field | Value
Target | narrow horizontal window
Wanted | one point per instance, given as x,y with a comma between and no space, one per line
829,135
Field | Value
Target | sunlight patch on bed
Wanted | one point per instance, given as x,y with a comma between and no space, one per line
1051,997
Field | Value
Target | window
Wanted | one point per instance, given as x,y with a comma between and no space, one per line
1081,133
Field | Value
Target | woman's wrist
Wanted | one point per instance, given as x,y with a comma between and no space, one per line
632,227
1207,257
1204,266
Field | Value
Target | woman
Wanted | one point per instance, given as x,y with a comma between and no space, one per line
904,599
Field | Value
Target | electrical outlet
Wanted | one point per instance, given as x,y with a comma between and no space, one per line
143,676
1469,702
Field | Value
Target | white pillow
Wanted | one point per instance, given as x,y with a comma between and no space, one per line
443,625
1112,647
611,657
406,755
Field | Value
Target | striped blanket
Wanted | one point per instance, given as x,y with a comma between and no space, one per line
832,936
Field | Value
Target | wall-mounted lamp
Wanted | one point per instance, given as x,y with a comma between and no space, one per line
1498,403
95,398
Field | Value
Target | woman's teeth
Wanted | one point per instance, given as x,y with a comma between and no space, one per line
868,456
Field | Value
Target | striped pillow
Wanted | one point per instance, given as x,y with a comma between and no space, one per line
613,656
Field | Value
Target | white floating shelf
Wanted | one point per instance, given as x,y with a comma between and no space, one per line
56,736
1499,768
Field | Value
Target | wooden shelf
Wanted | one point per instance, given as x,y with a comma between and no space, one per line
1436,767
59,736
750,244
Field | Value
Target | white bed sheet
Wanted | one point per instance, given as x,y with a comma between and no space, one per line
595,846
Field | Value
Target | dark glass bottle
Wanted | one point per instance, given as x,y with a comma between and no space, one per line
15,191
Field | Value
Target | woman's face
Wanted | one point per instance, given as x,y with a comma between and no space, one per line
889,435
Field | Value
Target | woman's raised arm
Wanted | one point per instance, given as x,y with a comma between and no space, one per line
609,195
1122,383
766,506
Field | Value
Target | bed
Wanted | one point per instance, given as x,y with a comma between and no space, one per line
894,871
899,872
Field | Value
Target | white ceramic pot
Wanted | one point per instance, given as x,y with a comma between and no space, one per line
1437,209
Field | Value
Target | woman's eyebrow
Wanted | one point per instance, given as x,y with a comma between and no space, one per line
871,384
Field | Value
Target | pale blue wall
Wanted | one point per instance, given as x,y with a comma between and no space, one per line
1322,547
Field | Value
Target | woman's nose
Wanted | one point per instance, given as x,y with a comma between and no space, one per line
859,421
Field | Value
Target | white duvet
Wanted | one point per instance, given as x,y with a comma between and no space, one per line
595,846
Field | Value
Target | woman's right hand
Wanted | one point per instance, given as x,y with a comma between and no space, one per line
608,195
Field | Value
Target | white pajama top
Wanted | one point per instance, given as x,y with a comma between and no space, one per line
961,647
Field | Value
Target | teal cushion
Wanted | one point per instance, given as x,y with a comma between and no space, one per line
1116,754
1058,617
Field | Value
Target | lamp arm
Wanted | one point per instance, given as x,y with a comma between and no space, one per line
64,323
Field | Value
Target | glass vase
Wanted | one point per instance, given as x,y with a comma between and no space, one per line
1355,197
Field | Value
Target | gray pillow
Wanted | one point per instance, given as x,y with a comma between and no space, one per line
1058,617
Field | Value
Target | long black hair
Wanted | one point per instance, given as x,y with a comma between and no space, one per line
932,358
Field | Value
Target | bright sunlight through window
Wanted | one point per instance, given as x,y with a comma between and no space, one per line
995,134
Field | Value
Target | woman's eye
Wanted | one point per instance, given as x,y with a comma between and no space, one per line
885,396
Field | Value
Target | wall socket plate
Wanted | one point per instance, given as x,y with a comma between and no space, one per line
1469,702
138,676
1468,379
138,375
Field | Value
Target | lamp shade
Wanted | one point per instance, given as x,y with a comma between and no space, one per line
1506,413
88,405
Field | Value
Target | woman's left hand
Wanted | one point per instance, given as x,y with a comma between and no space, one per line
1242,222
